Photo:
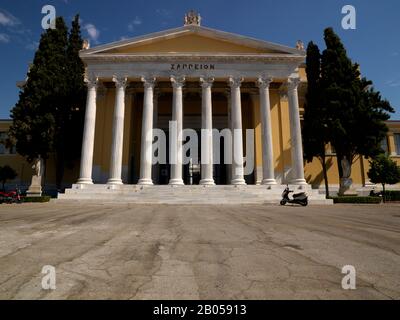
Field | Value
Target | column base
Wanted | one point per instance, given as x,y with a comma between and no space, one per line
207,182
145,182
85,181
115,181
299,182
176,182
238,182
269,182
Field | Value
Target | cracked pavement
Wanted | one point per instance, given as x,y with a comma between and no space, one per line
127,251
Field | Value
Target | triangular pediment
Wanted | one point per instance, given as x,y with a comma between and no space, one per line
192,39
190,43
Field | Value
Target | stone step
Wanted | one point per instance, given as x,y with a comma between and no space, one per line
184,194
190,202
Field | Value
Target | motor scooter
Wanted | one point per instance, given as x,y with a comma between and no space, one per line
11,197
298,198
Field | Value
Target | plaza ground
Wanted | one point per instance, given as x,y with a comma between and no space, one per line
127,251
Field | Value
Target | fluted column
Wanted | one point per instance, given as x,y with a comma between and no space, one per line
207,135
266,129
295,133
86,168
156,167
177,116
229,125
118,132
237,147
146,158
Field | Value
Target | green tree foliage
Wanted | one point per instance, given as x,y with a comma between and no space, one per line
355,111
7,173
48,116
315,115
383,170
70,120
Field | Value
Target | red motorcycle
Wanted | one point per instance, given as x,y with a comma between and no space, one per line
11,196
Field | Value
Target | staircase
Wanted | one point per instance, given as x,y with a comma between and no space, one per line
250,194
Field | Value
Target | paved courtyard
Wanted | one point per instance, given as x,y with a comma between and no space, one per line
198,252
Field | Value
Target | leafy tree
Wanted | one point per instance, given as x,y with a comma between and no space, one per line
384,171
47,117
7,173
355,111
315,115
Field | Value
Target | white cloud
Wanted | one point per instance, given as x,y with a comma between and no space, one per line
7,19
4,38
92,31
393,83
164,13
135,22
32,46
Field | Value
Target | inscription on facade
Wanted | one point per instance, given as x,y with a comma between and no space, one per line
192,66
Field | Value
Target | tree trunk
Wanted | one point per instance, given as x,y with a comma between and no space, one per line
325,171
344,164
383,193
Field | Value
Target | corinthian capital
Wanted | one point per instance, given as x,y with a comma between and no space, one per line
293,83
206,82
120,82
263,83
149,82
235,82
178,81
92,82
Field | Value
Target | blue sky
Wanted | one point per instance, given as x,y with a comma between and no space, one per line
375,44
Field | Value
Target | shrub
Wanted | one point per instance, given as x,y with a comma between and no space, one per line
7,173
392,195
357,200
36,199
384,171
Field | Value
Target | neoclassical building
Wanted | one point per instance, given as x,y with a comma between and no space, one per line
203,79
200,79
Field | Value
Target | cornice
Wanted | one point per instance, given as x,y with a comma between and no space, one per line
192,57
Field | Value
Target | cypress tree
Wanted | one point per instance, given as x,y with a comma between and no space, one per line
34,123
315,116
355,111
70,121
48,116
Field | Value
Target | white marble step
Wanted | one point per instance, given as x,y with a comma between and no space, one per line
185,194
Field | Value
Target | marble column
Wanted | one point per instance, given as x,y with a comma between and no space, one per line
207,177
177,117
118,132
237,134
86,168
156,167
266,130
295,133
146,156
229,126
